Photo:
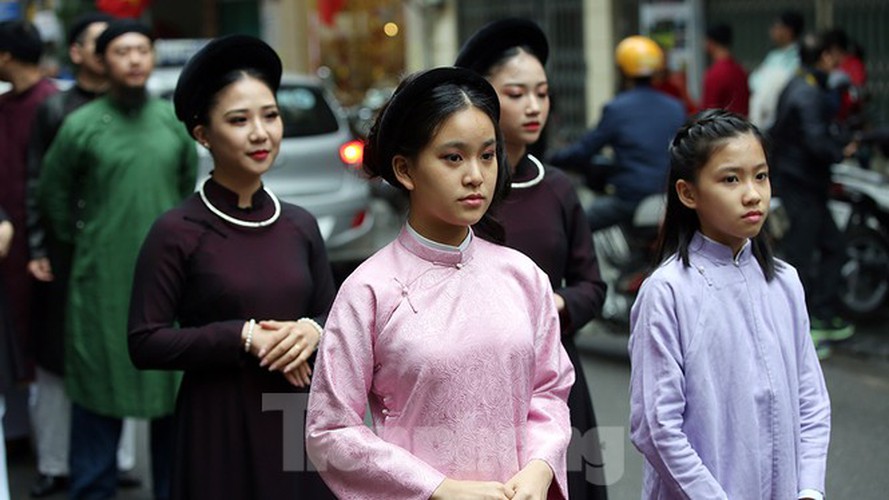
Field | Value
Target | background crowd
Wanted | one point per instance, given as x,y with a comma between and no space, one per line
87,171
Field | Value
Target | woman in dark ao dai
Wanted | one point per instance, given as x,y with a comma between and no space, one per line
542,215
231,287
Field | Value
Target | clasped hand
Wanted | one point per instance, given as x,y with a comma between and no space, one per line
530,483
285,346
41,269
6,233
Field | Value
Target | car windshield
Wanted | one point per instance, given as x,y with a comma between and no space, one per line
305,112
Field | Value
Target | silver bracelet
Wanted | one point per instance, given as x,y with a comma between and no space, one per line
249,338
315,325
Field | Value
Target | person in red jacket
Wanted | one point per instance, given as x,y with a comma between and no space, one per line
725,82
848,80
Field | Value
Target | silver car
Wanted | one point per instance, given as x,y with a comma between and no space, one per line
318,167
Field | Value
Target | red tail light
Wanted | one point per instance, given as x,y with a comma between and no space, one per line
352,153
358,220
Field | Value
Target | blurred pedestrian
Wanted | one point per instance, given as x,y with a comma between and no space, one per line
11,361
453,341
848,80
638,124
725,81
727,395
20,52
777,68
803,150
116,164
542,215
672,82
854,64
50,265
232,287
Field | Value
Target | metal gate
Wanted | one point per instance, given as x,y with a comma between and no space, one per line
562,21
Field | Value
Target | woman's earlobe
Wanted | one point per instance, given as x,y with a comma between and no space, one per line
401,169
686,193
200,134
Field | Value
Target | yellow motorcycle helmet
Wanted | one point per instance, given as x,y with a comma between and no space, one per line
639,56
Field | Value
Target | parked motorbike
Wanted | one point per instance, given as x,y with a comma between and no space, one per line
625,251
860,206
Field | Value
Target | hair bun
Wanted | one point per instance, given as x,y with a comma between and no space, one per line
213,61
489,42
380,148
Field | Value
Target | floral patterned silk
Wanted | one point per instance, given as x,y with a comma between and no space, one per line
458,355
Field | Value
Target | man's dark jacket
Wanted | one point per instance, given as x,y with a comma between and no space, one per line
803,147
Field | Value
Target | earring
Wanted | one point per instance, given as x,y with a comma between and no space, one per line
206,145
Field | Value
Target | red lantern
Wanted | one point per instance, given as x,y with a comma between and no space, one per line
327,9
123,8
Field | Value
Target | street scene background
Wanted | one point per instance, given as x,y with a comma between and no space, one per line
360,48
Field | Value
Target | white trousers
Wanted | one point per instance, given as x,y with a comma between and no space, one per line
4,475
126,448
51,424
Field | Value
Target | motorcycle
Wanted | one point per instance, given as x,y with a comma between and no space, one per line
860,205
625,251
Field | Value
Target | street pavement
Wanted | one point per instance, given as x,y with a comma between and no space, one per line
22,471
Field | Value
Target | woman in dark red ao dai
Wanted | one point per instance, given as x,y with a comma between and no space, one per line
542,216
231,287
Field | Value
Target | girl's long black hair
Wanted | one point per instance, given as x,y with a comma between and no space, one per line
690,150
